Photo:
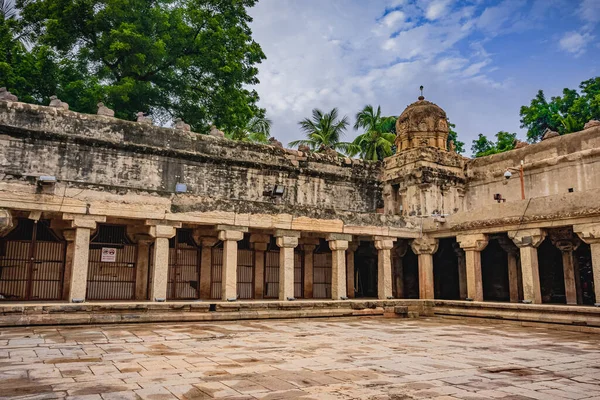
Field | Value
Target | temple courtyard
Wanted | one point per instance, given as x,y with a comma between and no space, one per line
351,358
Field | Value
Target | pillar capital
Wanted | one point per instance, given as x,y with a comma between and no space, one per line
353,246
400,247
476,242
231,235
6,221
382,243
242,229
589,233
259,238
83,220
286,233
564,239
336,245
338,236
527,237
207,241
162,231
308,248
424,245
287,242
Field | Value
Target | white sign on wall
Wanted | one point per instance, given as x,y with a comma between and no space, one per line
109,254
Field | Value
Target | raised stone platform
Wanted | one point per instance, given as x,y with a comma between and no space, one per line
127,312
580,318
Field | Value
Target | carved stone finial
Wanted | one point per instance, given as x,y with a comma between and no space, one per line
182,126
56,103
215,132
591,123
275,142
549,134
421,97
519,144
304,148
452,147
103,110
5,95
143,119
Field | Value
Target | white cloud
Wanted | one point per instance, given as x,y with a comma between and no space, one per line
589,11
575,42
436,9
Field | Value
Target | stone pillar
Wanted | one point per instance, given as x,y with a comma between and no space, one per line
590,234
309,250
473,245
513,271
338,243
462,271
399,251
260,243
424,247
79,251
287,242
527,241
6,222
384,267
352,246
207,243
142,266
567,243
229,272
160,261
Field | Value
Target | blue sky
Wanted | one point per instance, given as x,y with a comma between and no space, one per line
480,60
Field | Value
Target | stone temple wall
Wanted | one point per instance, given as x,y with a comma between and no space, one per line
118,157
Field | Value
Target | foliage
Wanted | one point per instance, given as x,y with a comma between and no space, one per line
189,59
377,141
453,136
482,146
257,130
564,114
323,131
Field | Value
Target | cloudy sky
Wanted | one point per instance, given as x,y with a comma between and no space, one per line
480,60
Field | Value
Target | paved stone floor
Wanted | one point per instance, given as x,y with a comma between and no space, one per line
358,358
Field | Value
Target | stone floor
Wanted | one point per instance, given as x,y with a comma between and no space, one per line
357,358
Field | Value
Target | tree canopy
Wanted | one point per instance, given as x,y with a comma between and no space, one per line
189,59
323,131
564,114
482,146
377,141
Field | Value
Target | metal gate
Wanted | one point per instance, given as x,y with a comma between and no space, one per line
184,267
245,273
112,265
298,275
32,262
322,275
271,274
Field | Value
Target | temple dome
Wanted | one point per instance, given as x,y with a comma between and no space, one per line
422,123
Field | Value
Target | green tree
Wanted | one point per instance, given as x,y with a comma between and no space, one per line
378,139
453,136
482,146
323,131
257,130
189,59
565,114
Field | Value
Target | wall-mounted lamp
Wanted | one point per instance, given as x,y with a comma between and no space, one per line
180,188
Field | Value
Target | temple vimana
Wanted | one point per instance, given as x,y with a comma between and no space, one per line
100,212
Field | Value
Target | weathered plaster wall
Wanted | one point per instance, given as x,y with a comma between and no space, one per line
112,156
551,167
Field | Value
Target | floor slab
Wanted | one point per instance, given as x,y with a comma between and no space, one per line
352,358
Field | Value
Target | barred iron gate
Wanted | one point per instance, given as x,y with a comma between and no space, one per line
271,274
298,275
32,262
322,275
184,267
245,273
112,265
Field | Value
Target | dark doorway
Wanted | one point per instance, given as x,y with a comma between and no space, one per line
322,271
583,263
445,271
552,279
410,274
365,270
494,272
32,262
184,267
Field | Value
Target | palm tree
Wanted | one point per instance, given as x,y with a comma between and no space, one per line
257,130
9,20
323,131
377,140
